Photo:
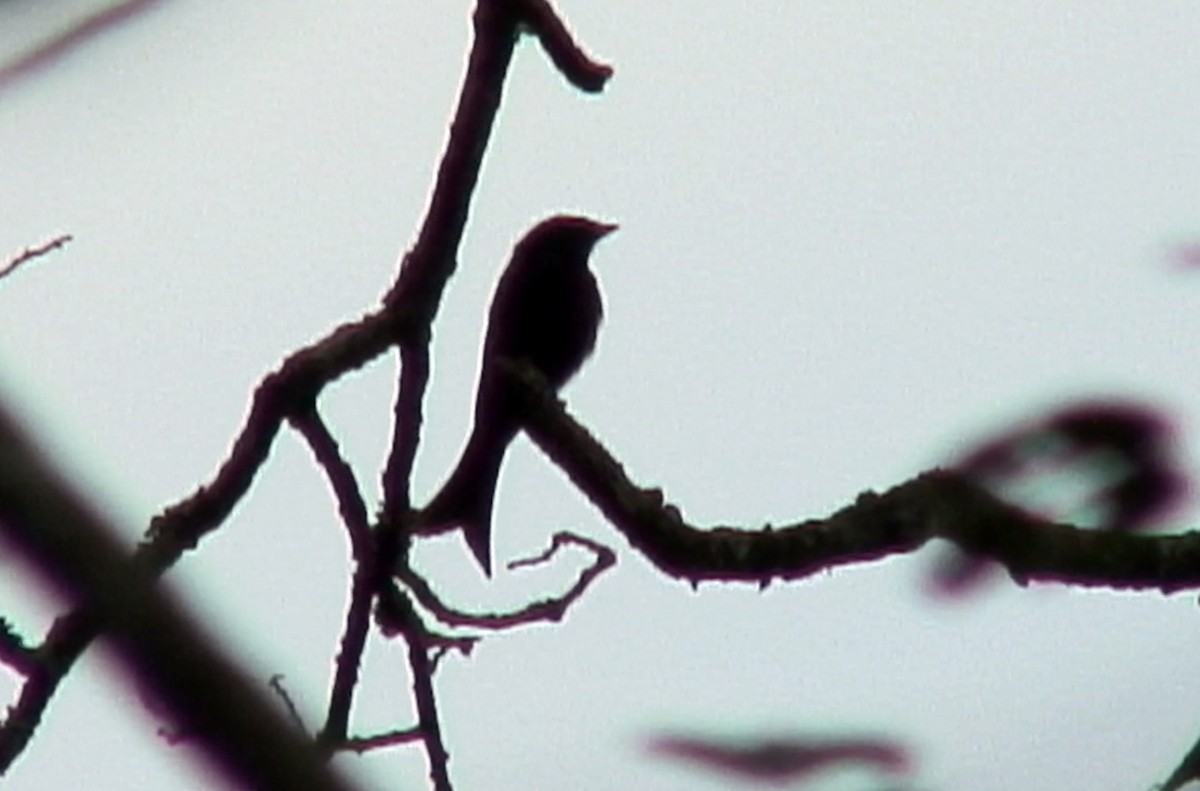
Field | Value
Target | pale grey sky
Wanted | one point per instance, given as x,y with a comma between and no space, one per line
854,239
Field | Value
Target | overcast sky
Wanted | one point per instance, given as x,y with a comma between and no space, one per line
855,238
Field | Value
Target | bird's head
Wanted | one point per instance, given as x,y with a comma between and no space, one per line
567,232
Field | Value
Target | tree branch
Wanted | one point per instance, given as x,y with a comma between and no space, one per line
77,552
405,319
31,253
937,504
353,512
580,70
551,609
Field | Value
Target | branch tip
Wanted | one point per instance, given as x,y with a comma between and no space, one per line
586,74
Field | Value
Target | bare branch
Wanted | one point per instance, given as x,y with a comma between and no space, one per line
288,391
276,684
77,552
937,504
583,72
34,252
362,589
64,643
363,744
403,618
550,610
351,506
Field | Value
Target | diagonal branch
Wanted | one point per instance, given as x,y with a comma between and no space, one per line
31,253
48,52
566,54
351,507
157,642
288,391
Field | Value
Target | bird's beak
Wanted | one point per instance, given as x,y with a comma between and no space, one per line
605,228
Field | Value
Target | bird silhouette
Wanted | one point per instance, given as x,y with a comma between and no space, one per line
546,312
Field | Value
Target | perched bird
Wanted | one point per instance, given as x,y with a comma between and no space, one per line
546,311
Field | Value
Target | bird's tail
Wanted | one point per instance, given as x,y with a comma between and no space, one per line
465,499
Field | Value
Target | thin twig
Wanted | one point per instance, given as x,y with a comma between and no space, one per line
34,252
421,667
275,682
363,744
551,609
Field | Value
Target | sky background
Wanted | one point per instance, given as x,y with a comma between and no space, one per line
855,239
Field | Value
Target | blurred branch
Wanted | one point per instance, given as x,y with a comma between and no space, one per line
73,549
49,52
1109,464
1187,771
782,760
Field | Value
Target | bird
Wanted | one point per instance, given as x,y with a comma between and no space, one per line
546,312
